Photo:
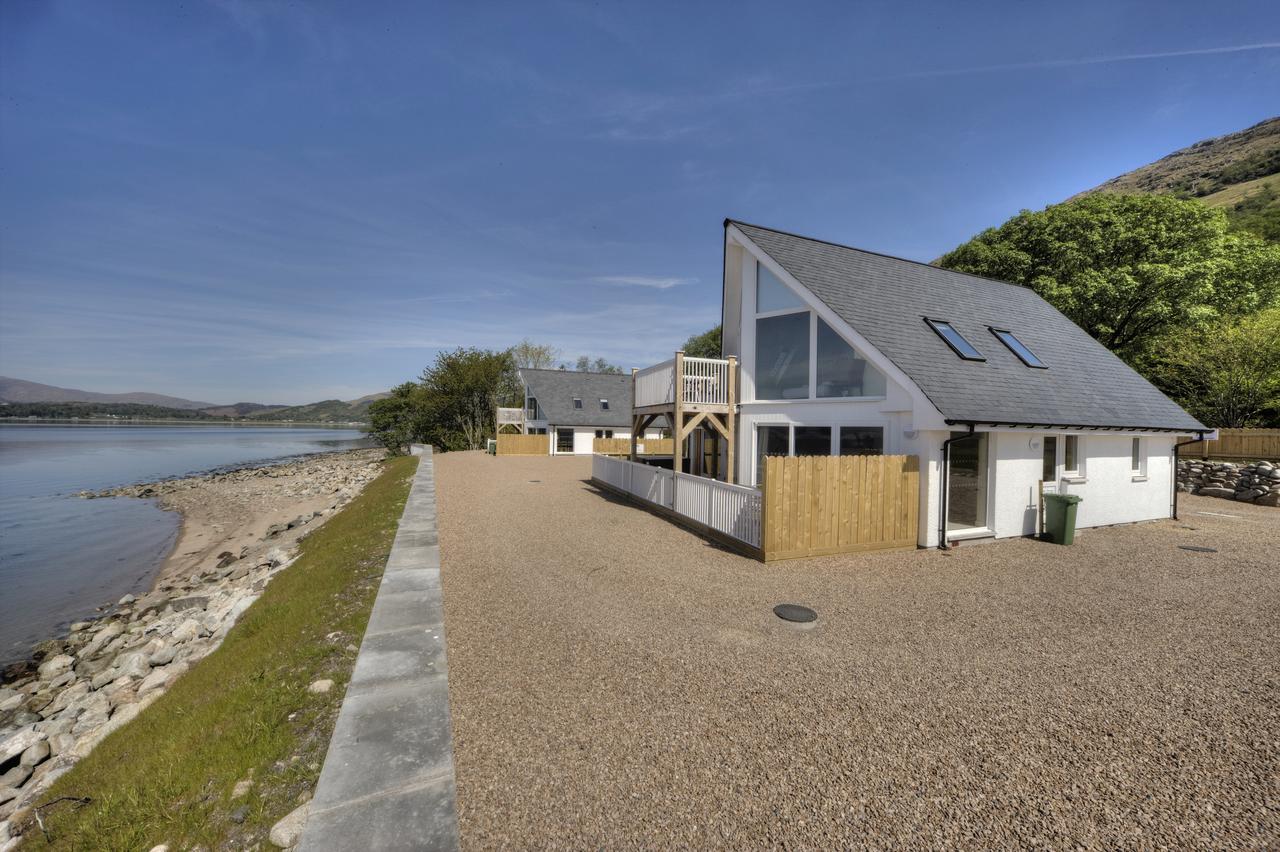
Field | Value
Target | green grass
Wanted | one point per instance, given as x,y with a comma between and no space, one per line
243,711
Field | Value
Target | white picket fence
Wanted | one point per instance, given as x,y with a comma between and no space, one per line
730,509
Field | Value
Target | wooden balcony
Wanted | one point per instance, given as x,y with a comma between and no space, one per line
692,394
510,417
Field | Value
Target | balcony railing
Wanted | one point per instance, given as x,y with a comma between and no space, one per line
705,382
510,416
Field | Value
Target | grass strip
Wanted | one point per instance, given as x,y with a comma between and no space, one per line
244,711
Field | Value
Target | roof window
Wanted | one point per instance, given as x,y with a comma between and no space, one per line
955,340
1017,347
577,403
604,404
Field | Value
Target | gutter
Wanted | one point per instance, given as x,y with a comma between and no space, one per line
1198,439
946,475
1051,426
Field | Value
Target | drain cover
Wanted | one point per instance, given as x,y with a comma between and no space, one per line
795,612
1197,549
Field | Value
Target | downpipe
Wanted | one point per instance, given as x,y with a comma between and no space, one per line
1199,438
946,475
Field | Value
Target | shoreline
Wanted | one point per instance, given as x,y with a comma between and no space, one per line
237,530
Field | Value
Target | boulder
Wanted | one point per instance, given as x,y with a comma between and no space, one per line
162,656
17,742
1214,491
17,776
35,754
132,664
320,687
288,831
126,600
56,666
192,602
186,631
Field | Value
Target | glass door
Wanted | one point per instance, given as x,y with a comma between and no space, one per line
967,482
564,440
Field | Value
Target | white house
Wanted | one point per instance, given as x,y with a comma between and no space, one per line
576,407
847,351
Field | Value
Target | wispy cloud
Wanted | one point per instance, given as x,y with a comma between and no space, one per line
644,281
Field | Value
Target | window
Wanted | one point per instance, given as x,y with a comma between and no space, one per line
841,371
813,440
967,481
1049,463
604,404
772,294
577,403
564,440
1071,454
861,441
604,433
1138,459
782,356
531,409
955,340
770,441
1017,347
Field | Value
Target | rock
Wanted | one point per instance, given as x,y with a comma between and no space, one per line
132,664
77,626
126,600
1271,499
103,678
186,631
225,560
239,573
16,776
35,754
162,656
161,678
163,847
192,602
97,709
69,695
8,794
242,788
13,702
105,635
61,743
273,531
19,741
56,666
320,687
288,831
1213,491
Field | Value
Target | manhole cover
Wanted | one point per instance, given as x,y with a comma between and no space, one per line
1197,549
535,480
795,612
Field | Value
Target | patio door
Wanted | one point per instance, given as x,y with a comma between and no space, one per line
564,441
967,480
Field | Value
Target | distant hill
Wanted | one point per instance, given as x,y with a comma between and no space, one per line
327,411
100,411
18,390
241,409
1239,172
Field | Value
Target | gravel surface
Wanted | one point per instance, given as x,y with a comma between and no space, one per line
616,681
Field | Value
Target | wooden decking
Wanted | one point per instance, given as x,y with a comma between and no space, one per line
690,393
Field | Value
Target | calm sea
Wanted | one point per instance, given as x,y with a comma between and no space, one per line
62,556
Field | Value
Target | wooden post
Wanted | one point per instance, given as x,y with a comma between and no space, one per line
730,419
634,419
677,416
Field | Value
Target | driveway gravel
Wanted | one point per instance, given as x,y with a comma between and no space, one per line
616,681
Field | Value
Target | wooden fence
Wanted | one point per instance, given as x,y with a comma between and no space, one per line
524,445
622,446
820,505
1252,444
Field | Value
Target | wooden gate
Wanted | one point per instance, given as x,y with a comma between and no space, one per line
524,445
820,505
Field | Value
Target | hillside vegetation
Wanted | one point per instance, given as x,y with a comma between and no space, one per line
326,411
1238,172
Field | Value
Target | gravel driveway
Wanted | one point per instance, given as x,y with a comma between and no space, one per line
616,681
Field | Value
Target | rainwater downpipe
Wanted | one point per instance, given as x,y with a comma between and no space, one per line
1199,438
946,475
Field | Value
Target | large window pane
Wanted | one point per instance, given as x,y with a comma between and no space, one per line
861,441
770,441
772,294
782,357
967,482
813,440
1049,472
841,370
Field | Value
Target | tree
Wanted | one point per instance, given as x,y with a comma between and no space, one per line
460,396
1129,268
1227,374
586,365
705,345
393,421
534,356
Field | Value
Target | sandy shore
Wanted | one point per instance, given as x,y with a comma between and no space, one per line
232,512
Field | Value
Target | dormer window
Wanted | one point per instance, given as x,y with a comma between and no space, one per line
1017,347
955,340
604,405
577,403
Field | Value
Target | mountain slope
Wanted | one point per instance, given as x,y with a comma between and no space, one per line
326,411
18,390
1239,172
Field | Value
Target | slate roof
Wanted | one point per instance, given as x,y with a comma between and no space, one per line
886,299
555,390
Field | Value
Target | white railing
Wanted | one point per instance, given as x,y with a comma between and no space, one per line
706,381
730,509
510,415
656,385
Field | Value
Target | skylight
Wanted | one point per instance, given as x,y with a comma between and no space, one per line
1017,347
955,340
604,404
577,402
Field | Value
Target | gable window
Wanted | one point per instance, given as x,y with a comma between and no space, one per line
955,340
1071,455
841,371
577,403
1017,347
782,356
772,294
604,405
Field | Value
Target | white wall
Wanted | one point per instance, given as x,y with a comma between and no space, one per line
584,438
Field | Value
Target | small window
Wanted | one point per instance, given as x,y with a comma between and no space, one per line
1017,347
604,404
1137,458
577,403
1071,454
813,440
1049,461
955,340
770,441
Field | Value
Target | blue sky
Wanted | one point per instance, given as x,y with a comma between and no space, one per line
284,202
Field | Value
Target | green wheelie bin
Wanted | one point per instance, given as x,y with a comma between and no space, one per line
1060,517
